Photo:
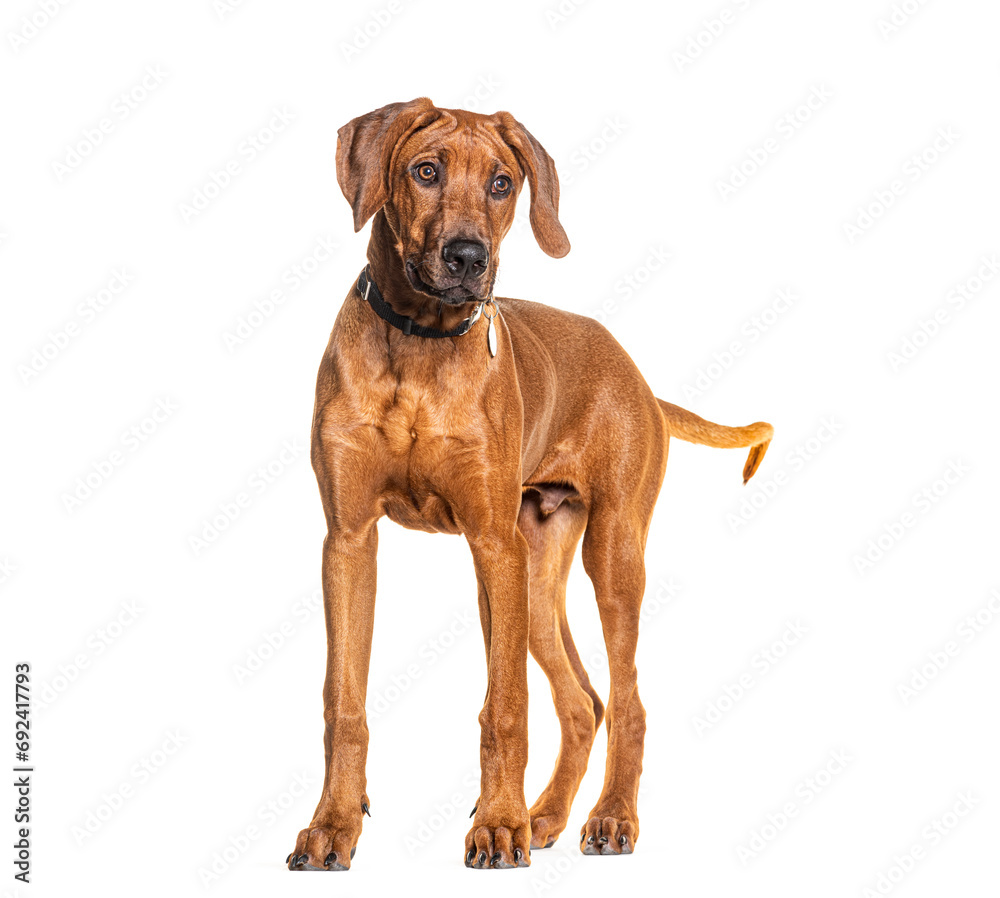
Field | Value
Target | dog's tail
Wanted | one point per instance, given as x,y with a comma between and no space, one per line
689,427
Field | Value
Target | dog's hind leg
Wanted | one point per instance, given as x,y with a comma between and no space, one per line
552,540
613,558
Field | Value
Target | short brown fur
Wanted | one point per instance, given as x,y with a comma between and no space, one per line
555,439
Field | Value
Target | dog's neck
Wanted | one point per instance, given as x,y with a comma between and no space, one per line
386,266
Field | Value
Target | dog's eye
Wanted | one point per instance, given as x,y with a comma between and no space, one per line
500,186
427,172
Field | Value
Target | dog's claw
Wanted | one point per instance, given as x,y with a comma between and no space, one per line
287,859
330,859
623,841
364,808
469,857
482,857
517,855
476,808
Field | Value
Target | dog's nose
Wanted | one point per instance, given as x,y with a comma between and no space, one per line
465,258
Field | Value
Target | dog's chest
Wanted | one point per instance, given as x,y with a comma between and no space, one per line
430,437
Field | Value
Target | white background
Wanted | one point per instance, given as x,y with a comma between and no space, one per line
643,137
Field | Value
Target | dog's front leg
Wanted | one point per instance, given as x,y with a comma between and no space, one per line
349,601
501,831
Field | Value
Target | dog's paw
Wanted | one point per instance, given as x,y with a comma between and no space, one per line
546,827
608,835
498,847
322,848
328,843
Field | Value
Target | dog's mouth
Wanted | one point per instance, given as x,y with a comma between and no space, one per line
453,293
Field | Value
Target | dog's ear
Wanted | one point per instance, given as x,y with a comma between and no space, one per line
365,151
543,181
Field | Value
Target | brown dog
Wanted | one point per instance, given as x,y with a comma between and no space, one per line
522,427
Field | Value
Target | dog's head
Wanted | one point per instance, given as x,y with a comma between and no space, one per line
447,181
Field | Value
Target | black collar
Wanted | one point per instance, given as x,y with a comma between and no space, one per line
369,291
